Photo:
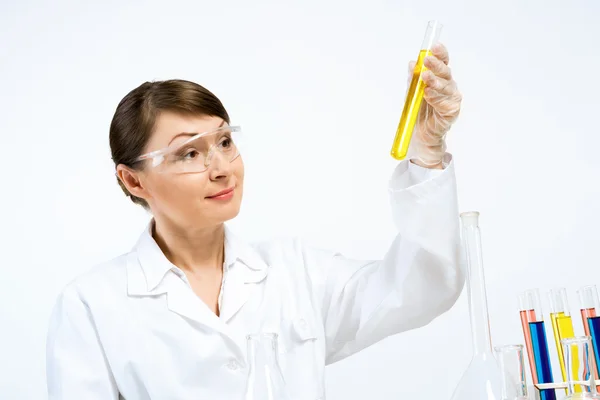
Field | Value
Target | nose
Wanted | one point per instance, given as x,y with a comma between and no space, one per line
219,166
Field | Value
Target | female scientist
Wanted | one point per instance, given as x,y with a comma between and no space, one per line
169,319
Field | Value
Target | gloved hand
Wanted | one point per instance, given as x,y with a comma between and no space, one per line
439,110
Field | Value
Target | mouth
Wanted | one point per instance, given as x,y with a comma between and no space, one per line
223,194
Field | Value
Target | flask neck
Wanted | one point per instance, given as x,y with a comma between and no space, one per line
478,309
262,352
265,379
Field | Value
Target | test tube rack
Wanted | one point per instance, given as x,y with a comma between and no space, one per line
535,390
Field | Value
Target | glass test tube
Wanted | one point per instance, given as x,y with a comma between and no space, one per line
590,305
562,324
512,365
414,96
534,331
528,313
578,357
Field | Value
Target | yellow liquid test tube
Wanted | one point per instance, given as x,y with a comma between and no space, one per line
562,326
414,96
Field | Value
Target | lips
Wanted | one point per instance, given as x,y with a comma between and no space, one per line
221,193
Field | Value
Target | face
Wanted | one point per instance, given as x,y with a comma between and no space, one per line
187,199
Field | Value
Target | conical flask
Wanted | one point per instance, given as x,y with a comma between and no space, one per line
483,378
265,379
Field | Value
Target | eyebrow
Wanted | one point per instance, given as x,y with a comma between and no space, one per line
190,134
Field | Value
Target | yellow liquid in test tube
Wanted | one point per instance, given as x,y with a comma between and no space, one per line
562,327
414,97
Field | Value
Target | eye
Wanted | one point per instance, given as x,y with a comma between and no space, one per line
226,143
190,154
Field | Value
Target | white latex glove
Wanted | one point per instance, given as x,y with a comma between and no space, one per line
438,112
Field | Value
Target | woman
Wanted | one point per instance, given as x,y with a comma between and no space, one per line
168,320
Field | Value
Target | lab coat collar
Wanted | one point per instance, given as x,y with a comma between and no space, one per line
236,249
155,265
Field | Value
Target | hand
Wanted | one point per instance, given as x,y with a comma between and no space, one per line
438,112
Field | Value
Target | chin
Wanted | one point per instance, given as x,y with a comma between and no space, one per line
226,213
220,219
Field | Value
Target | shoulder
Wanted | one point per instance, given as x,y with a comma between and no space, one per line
281,250
292,248
99,283
90,301
294,253
289,247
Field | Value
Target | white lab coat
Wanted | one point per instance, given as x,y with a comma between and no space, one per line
133,327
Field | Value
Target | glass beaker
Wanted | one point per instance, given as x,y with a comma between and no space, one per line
414,95
510,359
483,378
562,324
580,380
265,379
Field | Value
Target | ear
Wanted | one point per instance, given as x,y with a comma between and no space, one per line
131,179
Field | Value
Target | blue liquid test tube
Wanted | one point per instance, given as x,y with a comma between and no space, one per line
590,307
530,301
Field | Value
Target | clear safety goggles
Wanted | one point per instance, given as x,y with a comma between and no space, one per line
195,154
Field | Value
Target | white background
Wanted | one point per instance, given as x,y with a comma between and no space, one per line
318,86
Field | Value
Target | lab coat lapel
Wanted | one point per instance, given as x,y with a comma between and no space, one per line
146,267
150,273
245,273
182,300
239,287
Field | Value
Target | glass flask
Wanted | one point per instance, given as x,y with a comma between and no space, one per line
512,365
265,379
580,379
483,378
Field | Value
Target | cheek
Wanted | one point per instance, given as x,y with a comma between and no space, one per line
178,189
239,170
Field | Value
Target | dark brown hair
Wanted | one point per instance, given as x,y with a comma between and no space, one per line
135,116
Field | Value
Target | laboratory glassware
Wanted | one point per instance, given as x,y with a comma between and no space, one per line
534,332
414,95
590,307
483,378
562,324
578,354
265,378
512,366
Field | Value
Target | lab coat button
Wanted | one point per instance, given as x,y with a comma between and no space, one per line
233,365
302,324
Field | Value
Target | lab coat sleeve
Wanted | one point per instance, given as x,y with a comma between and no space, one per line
76,367
418,279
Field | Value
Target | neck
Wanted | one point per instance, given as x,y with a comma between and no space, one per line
198,249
